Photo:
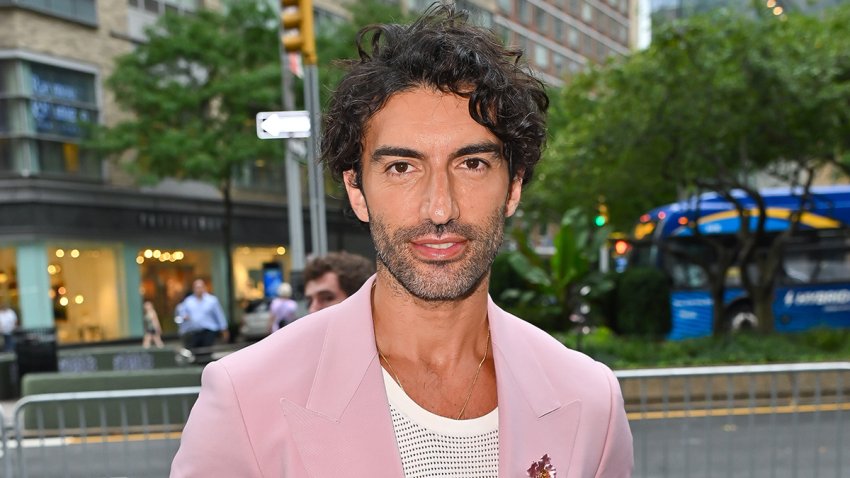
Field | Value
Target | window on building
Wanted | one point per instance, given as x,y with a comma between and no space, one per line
524,11
9,279
262,174
167,276
559,62
573,38
541,56
144,13
84,291
82,11
506,6
43,119
586,12
542,20
560,28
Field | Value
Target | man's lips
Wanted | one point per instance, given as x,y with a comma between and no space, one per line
442,248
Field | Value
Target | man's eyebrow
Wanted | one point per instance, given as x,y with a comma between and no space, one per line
488,147
397,151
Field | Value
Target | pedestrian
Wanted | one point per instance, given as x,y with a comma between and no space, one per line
200,318
8,324
282,310
434,130
331,278
153,330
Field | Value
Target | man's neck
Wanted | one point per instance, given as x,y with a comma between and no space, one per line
429,331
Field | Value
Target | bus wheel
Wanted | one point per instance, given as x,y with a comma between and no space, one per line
741,317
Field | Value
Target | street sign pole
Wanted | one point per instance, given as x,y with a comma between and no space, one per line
316,180
293,189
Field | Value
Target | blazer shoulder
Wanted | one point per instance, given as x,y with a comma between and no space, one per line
285,361
566,368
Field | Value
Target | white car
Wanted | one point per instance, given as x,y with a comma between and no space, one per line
255,320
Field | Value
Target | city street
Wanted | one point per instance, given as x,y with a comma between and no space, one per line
804,445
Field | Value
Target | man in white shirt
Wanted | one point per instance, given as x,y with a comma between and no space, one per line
434,130
8,322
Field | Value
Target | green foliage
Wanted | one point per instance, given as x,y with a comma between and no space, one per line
554,284
338,42
621,352
643,302
192,92
715,98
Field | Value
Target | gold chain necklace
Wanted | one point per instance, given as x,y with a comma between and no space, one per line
471,387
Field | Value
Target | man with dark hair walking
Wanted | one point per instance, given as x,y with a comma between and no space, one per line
434,131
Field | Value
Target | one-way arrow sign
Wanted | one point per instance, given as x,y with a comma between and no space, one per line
283,124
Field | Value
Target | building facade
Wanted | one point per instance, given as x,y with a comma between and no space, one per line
81,246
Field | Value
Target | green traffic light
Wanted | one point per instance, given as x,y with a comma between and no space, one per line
599,221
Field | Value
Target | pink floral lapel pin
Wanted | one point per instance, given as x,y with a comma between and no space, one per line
542,468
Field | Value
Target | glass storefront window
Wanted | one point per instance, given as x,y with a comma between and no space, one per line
8,278
167,276
84,291
249,264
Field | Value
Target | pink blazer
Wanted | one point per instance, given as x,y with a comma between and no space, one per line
309,401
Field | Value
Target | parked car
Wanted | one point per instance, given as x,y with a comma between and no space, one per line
255,320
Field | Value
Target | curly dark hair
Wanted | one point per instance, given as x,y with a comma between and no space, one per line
352,270
441,51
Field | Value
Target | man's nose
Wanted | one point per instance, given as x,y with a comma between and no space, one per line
439,204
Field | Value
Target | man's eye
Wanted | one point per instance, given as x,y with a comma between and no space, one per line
473,163
400,168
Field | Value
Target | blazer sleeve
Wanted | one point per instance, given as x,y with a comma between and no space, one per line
618,454
215,441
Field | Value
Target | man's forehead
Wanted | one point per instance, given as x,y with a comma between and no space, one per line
327,281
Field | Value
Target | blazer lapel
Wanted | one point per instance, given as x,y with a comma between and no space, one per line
532,420
345,428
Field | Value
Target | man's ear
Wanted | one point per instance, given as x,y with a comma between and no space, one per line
514,194
355,195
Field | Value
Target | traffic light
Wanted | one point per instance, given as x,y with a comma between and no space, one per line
621,247
601,215
296,19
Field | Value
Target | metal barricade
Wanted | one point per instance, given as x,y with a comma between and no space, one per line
748,421
99,433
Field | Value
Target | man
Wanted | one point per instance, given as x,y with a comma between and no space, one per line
200,318
8,323
330,279
434,131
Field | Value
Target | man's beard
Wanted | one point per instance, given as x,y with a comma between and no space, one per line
439,280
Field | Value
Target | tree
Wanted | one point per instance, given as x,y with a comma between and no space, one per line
716,101
193,90
337,43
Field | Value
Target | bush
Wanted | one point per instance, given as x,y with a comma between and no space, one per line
621,352
643,302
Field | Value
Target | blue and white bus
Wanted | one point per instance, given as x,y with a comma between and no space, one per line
813,288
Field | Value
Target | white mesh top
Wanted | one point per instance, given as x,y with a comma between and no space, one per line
435,446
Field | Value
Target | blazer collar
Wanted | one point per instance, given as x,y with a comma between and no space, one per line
350,340
517,368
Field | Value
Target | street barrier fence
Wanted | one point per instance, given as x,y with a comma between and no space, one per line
99,433
748,421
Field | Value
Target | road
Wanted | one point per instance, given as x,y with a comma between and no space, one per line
792,445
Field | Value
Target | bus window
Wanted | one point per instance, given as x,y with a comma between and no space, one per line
686,275
817,266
